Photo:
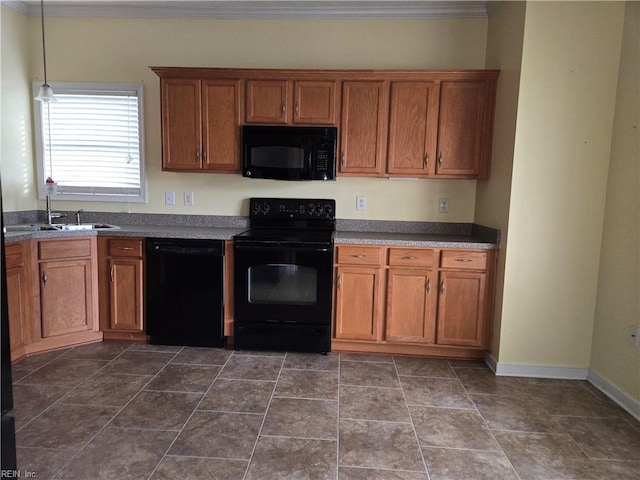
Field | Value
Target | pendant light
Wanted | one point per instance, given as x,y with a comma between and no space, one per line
45,94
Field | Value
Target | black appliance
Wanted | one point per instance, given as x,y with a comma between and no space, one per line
184,291
289,153
7,425
283,276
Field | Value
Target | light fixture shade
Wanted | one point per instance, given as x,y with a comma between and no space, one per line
45,94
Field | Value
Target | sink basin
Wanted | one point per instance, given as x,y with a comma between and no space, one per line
30,227
44,227
86,226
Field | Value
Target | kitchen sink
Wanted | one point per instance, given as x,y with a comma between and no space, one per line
86,226
45,227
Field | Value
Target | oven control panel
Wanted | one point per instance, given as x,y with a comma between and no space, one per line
292,208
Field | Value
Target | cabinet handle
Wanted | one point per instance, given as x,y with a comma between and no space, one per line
440,159
342,159
442,286
409,257
197,155
428,284
204,153
339,281
359,256
124,248
283,108
44,277
297,109
111,273
426,159
463,260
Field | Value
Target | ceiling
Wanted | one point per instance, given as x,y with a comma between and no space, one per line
257,8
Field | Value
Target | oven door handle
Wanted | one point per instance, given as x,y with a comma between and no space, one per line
286,247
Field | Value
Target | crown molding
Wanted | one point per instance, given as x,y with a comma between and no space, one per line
255,8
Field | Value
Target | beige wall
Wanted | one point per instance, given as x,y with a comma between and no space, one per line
618,299
504,52
120,50
563,138
16,154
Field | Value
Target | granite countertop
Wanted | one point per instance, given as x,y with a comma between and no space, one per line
349,231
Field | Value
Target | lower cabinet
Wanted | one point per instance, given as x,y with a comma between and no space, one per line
18,298
413,300
65,282
121,277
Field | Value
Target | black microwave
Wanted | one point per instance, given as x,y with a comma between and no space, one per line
289,153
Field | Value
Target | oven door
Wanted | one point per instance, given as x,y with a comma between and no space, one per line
283,283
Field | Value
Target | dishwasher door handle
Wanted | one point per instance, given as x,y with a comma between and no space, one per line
177,250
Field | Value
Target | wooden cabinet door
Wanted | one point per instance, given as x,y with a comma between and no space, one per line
315,102
358,303
267,101
181,124
410,306
363,127
462,143
413,118
221,123
126,294
66,290
461,307
18,306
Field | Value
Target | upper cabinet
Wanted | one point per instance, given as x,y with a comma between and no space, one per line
200,125
362,137
413,118
282,102
392,123
465,128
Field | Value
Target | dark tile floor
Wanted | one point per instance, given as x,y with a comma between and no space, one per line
123,411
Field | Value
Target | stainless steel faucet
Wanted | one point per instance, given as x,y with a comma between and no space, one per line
78,216
51,215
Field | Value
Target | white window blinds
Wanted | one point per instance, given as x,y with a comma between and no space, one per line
91,142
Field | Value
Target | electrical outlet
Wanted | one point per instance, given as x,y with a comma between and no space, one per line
361,202
169,198
188,199
443,205
634,335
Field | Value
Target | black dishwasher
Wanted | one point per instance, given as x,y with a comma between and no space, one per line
184,292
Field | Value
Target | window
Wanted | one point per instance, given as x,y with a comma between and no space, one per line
90,142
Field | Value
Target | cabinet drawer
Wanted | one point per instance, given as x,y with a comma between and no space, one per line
359,255
410,257
464,259
67,248
13,255
125,247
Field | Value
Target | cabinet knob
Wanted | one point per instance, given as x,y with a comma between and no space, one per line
440,158
283,108
426,159
442,286
197,160
297,109
428,284
44,277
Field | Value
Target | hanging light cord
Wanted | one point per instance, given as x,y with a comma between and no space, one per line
44,49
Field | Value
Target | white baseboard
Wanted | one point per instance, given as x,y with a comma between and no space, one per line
623,399
626,402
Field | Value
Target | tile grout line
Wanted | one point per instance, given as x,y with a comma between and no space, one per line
195,409
59,471
339,416
413,426
264,417
484,421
